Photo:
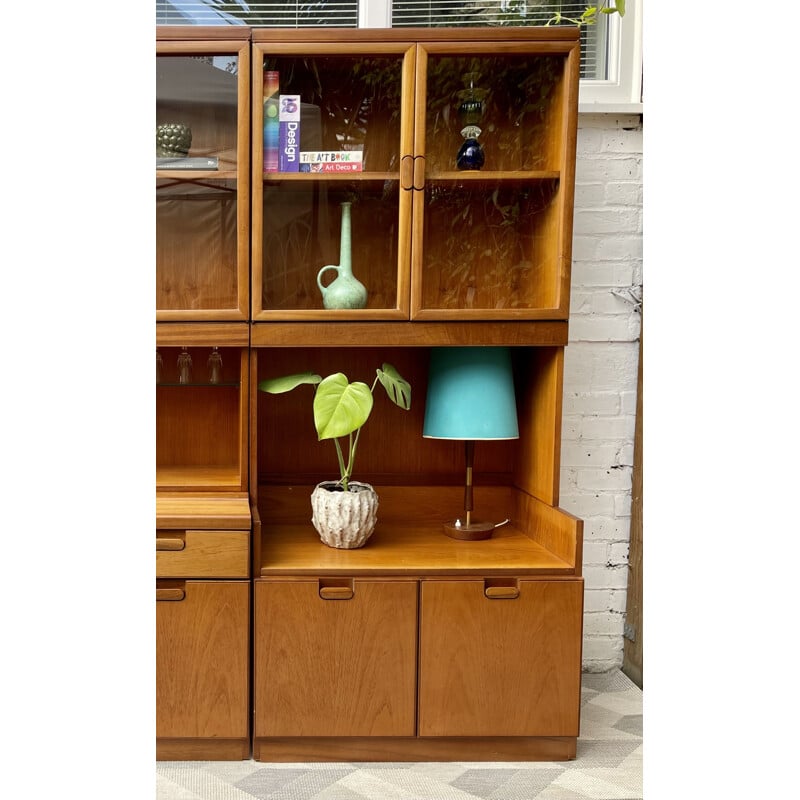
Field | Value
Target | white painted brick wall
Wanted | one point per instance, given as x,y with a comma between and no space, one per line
600,370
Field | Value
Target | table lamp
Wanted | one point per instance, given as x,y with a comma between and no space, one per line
470,398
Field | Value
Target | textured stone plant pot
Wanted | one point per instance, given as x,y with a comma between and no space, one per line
344,519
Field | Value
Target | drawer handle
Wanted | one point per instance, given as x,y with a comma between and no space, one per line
170,544
336,592
501,592
170,594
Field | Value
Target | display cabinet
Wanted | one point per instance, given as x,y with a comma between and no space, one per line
202,173
429,241
417,646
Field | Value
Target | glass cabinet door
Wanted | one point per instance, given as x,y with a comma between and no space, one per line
332,180
202,160
491,218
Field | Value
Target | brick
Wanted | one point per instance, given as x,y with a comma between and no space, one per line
585,454
623,193
603,274
596,328
591,195
606,528
595,553
630,141
601,367
591,403
607,220
622,505
605,577
602,653
617,479
618,553
591,169
624,246
604,600
597,427
604,623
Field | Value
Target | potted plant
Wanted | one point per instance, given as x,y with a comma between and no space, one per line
344,512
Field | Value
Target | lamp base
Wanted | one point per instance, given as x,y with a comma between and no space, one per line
473,532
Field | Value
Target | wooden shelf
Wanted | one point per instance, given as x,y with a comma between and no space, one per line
225,510
409,538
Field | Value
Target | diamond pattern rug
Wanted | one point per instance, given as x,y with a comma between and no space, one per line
608,767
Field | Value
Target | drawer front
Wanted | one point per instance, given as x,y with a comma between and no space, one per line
335,658
500,658
202,554
202,659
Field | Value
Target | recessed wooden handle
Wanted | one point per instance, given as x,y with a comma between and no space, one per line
419,173
407,173
170,594
501,592
336,592
170,544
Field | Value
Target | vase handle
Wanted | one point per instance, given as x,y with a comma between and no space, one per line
322,288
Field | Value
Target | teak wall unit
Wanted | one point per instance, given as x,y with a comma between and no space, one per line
416,646
203,516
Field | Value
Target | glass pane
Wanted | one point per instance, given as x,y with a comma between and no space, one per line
303,233
489,245
520,100
195,244
345,104
278,13
196,107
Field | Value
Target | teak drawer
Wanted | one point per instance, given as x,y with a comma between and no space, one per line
202,554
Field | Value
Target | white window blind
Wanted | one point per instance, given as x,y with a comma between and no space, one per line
276,14
516,13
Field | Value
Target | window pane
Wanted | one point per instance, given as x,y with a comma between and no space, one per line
512,13
275,14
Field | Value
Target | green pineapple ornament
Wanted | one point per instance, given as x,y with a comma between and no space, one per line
173,140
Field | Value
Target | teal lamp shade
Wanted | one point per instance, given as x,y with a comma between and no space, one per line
470,394
470,398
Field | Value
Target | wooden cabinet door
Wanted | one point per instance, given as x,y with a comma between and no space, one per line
503,665
202,659
335,667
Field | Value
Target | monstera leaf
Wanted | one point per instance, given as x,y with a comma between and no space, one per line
288,382
398,389
340,407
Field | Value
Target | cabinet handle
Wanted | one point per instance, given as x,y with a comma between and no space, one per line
170,544
336,592
170,594
501,592
407,173
419,173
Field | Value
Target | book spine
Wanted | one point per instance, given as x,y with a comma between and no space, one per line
271,124
330,166
289,141
313,156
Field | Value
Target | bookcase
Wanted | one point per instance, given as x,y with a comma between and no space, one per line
416,646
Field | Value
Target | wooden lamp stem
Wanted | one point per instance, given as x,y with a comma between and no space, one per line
469,458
